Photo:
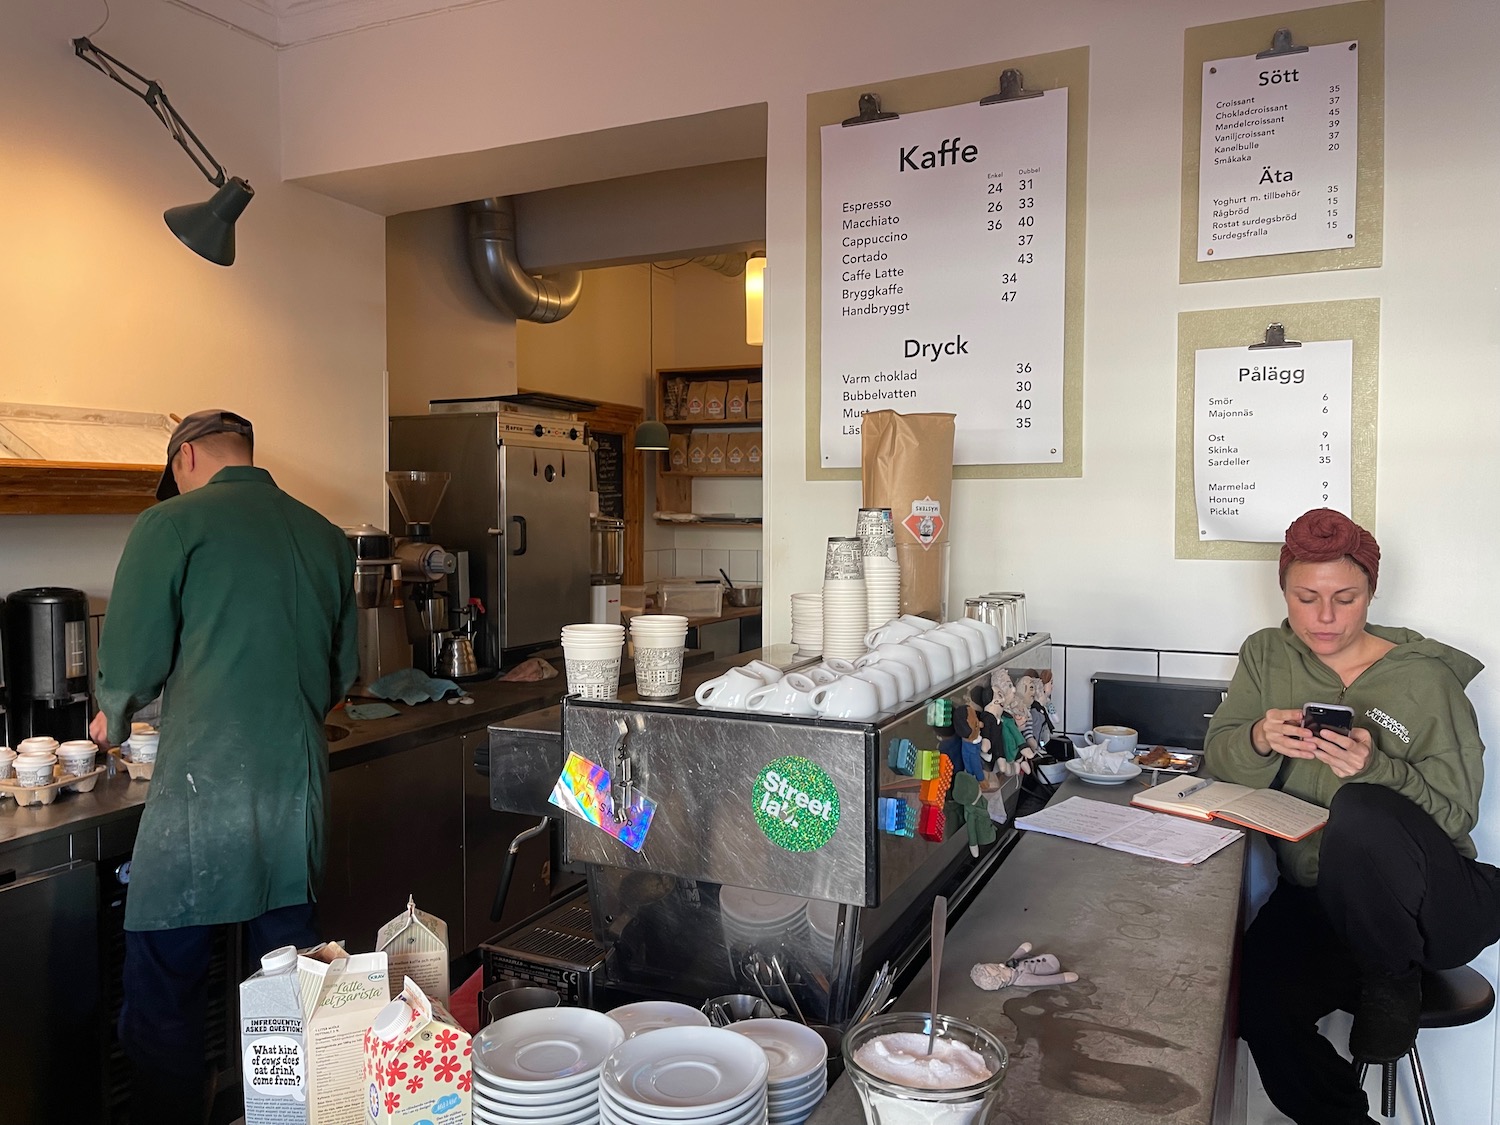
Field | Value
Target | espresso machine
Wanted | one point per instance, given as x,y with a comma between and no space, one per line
425,566
47,673
384,646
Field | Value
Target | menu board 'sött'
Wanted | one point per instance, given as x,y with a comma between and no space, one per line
943,277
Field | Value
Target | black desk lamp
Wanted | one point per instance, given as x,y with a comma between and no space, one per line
207,229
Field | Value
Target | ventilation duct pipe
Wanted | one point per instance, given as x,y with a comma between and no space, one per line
502,278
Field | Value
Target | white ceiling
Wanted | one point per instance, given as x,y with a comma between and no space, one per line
285,23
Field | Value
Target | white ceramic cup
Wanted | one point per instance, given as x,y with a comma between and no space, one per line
789,695
766,673
728,692
939,659
914,661
922,623
886,686
989,634
891,631
848,697
957,648
1113,739
905,677
972,640
820,674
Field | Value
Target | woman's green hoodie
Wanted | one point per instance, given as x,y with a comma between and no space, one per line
1426,738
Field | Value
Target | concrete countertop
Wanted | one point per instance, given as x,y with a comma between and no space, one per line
1137,1039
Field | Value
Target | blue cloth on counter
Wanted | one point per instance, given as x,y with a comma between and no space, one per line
370,710
411,686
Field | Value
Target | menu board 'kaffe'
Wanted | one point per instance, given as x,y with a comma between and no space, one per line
1279,153
1272,434
944,238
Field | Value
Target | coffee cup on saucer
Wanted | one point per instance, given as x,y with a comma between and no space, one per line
1116,740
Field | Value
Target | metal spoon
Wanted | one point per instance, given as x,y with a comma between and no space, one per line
939,929
727,580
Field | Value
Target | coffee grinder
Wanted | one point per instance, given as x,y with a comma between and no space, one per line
425,566
384,646
47,663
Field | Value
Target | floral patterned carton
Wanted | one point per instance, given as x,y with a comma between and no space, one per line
417,1064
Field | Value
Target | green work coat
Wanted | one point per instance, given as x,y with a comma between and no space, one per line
235,602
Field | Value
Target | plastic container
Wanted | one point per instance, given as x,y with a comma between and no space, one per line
692,599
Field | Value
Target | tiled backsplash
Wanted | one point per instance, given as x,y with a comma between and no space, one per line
1074,666
740,565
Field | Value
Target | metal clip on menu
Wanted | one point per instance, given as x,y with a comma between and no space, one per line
1281,44
1275,338
1012,89
869,110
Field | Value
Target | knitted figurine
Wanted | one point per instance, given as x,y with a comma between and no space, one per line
976,813
1021,971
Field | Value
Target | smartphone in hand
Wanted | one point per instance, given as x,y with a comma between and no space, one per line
1318,717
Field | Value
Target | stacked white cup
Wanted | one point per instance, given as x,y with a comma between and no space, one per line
658,640
882,574
807,623
845,614
592,655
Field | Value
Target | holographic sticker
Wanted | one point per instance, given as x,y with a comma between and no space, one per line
795,804
583,790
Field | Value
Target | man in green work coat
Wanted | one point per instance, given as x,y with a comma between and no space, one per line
235,603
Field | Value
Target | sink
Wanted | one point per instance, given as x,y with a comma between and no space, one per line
333,733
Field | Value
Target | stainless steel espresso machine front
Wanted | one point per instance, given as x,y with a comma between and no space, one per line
787,857
518,504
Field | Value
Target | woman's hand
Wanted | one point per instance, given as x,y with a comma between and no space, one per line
1280,732
1345,754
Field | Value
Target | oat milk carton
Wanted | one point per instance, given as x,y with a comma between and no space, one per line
415,945
417,1064
341,996
273,1045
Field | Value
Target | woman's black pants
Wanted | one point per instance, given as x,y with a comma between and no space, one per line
1393,894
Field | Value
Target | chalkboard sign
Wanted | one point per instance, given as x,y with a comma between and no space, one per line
609,465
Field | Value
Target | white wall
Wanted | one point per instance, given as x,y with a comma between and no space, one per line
1094,554
101,306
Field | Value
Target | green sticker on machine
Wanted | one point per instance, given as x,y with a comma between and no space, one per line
795,804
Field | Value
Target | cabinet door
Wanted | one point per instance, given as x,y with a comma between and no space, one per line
487,837
396,829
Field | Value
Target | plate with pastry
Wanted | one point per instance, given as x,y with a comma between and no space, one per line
1163,760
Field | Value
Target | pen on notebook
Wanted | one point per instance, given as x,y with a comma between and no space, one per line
1191,789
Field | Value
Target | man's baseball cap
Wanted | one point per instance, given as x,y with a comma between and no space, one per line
192,428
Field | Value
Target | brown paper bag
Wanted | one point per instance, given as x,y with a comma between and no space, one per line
734,400
698,452
906,465
677,452
714,393
718,451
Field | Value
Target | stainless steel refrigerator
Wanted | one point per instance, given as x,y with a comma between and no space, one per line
518,504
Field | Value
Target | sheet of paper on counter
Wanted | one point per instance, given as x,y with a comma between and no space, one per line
1124,829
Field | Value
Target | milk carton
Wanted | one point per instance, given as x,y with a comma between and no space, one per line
415,944
272,1042
417,1065
341,995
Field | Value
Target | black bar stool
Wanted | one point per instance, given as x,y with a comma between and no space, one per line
1450,998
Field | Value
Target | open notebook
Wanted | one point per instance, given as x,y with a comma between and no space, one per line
1265,810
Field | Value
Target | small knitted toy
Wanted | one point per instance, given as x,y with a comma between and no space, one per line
1021,971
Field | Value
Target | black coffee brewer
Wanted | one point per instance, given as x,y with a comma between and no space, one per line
47,663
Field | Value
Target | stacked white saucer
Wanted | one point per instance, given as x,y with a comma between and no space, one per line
799,1067
807,623
653,1015
541,1067
882,589
756,917
702,1075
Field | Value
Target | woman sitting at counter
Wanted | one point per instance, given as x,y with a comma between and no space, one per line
1391,885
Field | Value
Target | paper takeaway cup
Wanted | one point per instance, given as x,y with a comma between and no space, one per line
658,671
591,676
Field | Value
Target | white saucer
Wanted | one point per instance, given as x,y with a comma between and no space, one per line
685,1073
1077,770
568,1103
545,1048
751,1111
652,1015
486,1116
794,1051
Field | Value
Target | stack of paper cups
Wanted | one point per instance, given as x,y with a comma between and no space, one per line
658,640
845,614
592,653
807,623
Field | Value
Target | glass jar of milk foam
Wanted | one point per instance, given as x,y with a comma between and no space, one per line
885,1057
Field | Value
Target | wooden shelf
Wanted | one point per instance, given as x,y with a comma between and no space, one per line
674,488
76,488
710,476
712,423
